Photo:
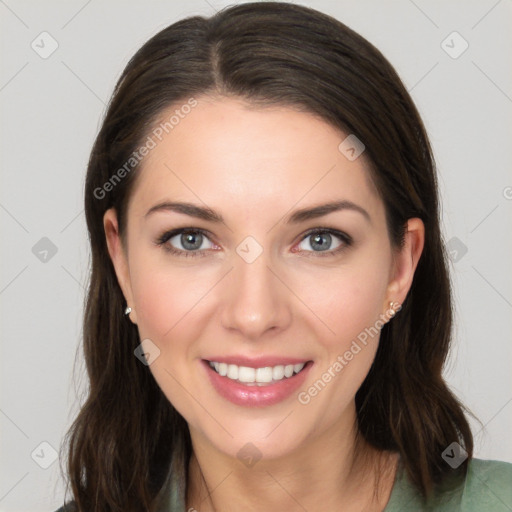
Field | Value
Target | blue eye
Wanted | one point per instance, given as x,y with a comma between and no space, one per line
192,240
321,239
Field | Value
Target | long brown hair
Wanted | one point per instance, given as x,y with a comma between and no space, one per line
269,53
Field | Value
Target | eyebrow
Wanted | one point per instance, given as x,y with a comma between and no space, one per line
297,217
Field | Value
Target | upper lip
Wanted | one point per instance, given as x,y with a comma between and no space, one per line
257,362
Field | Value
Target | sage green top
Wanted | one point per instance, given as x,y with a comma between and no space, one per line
486,488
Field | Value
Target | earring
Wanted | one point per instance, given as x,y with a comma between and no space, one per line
394,308
128,310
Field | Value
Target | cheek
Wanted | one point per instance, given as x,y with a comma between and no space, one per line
347,300
352,309
168,299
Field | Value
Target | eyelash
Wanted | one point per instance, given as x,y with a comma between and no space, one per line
161,241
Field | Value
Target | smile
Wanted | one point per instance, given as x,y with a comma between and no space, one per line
264,383
256,376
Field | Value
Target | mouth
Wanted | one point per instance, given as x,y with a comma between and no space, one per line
262,376
256,383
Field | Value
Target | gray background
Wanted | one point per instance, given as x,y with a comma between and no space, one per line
51,109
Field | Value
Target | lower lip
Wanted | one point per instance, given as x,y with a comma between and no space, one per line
256,396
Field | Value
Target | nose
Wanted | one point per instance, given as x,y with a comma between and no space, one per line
256,300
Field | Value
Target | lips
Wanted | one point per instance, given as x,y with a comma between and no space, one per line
251,383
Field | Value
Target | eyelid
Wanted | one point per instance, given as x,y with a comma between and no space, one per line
346,241
167,235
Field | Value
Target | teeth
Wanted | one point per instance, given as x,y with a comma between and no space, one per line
223,369
298,367
246,374
256,376
264,374
278,372
232,371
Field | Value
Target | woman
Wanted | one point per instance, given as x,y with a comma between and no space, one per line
269,307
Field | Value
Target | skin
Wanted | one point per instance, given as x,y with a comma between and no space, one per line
255,167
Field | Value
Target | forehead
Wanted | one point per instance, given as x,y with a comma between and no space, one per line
229,154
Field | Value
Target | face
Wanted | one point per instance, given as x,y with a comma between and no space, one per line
244,277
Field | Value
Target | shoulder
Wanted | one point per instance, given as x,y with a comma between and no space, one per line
490,468
488,485
68,507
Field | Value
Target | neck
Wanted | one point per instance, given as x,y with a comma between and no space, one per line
343,473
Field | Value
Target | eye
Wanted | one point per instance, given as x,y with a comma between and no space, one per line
320,240
189,242
185,242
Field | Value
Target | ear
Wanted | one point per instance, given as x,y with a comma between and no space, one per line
405,262
119,258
